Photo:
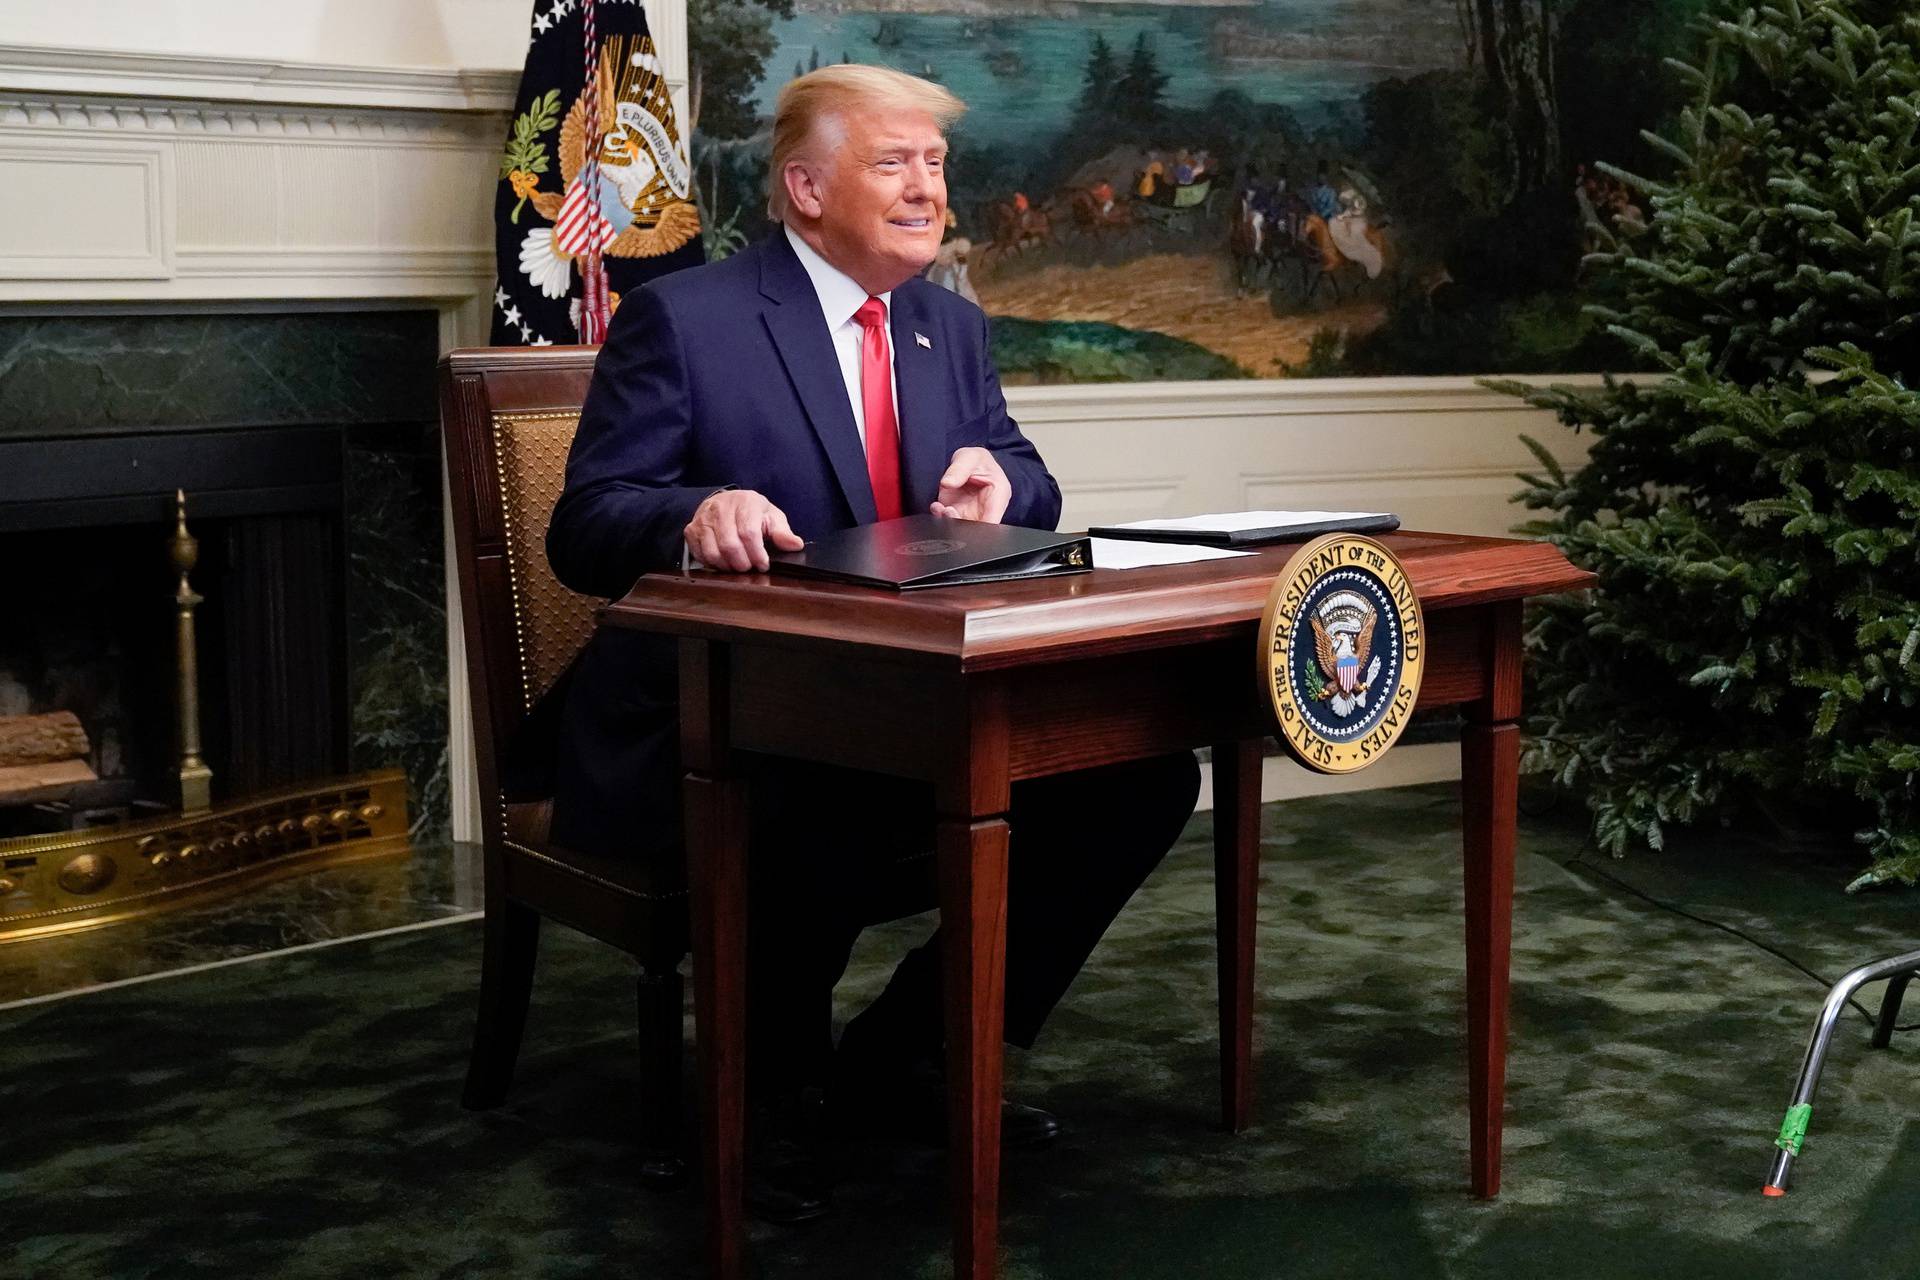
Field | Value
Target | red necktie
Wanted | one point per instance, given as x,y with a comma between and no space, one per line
876,401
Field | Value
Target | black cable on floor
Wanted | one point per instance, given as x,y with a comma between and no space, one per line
1747,938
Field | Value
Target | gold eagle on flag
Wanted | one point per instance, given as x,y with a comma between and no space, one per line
645,206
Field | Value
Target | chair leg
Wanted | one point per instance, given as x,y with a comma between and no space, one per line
506,984
1890,1009
1793,1130
662,1155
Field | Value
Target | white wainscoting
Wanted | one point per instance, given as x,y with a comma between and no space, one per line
1441,453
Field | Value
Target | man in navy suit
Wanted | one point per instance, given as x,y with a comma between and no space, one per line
810,383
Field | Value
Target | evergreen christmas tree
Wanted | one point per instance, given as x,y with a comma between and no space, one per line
1752,508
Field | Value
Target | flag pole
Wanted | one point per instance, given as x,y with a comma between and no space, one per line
593,300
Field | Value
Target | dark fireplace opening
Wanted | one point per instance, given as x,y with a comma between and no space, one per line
90,632
307,447
98,632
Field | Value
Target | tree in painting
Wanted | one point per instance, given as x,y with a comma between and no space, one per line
1513,51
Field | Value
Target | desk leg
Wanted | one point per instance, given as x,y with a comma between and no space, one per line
973,928
1489,791
716,840
1236,895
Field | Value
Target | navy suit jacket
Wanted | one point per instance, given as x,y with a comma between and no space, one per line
726,375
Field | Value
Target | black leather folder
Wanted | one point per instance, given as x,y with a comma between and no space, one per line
934,551
1291,531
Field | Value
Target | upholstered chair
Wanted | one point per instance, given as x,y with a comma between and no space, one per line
508,418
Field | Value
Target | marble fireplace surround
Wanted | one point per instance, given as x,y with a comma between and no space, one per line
307,447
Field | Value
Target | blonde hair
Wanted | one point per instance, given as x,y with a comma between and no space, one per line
809,102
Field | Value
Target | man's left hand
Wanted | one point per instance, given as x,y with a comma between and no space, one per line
974,487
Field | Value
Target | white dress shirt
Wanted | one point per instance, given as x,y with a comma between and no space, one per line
839,298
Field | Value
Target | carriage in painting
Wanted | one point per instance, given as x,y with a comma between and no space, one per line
1181,216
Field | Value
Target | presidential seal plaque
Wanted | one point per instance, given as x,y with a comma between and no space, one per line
1341,651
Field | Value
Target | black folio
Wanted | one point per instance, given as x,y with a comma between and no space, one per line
1294,531
936,551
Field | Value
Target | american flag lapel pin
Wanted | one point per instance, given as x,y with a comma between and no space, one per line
921,338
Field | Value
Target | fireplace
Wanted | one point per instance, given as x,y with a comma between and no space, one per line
305,449
88,522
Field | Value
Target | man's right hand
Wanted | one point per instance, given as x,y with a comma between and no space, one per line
732,528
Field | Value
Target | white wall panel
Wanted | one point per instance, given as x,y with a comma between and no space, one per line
1458,502
102,213
432,198
1440,452
329,196
223,200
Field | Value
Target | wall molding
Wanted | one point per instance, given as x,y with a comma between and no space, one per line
1272,397
375,266
101,72
44,114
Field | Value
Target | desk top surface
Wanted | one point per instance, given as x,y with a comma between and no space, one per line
1011,624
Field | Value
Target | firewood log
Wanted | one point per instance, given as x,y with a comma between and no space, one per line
42,739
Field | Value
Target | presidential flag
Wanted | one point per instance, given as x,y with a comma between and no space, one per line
596,186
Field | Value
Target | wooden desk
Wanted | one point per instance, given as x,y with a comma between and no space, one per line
972,688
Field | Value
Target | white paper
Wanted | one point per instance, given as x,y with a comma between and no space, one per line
1234,521
1130,553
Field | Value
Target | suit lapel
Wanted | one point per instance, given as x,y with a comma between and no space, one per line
920,376
806,348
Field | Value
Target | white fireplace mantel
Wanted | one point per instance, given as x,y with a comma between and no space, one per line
143,200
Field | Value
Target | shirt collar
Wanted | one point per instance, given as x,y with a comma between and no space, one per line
840,296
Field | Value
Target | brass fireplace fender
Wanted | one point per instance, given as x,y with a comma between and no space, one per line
72,880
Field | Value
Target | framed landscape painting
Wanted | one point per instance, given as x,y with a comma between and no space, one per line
1244,188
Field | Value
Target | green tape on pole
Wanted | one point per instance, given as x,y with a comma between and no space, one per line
1793,1129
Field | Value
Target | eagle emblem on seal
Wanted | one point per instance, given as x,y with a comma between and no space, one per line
1343,646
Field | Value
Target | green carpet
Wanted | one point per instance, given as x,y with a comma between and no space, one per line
299,1116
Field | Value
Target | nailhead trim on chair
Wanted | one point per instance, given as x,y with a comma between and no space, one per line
525,593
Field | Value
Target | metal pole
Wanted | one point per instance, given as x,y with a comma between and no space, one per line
196,780
1793,1130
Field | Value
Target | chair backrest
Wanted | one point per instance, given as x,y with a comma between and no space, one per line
508,415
